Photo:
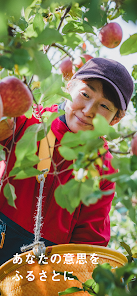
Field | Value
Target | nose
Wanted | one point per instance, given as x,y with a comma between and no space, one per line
90,109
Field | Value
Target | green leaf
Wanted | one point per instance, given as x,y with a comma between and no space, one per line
1,147
89,282
75,10
103,276
129,46
93,144
14,171
51,85
27,173
2,154
96,17
78,27
9,192
20,56
40,65
49,36
28,114
66,198
91,286
71,139
134,72
14,7
67,153
30,32
133,162
70,290
72,40
26,146
112,134
53,116
54,99
101,125
126,247
22,23
38,23
132,214
87,195
6,62
130,9
3,26
31,160
123,146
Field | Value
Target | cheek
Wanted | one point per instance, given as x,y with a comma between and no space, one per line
74,105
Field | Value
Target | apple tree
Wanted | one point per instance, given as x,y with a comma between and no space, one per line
36,39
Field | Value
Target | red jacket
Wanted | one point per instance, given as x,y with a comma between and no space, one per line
89,225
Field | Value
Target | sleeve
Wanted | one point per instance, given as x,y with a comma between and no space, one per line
93,224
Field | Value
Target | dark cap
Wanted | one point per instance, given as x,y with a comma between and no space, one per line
113,73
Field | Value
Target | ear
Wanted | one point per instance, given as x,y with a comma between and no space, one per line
117,119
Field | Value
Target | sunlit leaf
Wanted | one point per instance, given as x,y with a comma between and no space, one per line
38,23
27,173
67,153
129,46
40,65
70,290
49,36
101,125
9,193
79,27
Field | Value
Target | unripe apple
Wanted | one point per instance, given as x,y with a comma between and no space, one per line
78,61
111,35
6,128
66,68
134,145
15,95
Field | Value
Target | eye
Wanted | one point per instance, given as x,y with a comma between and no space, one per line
85,95
104,106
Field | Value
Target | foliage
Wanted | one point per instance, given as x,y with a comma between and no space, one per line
109,281
30,36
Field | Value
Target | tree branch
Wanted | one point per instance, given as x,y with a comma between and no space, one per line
62,18
118,151
62,48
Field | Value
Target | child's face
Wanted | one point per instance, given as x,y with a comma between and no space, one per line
87,101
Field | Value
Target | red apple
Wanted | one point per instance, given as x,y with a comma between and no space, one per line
66,68
1,108
78,61
111,35
134,145
15,95
6,128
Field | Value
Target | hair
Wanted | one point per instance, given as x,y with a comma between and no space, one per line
108,91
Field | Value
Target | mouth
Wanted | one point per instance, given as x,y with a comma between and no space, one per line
82,121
